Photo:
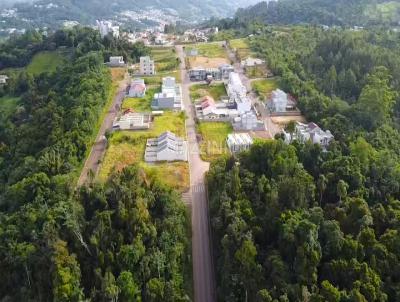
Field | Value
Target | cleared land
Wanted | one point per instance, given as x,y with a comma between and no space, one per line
206,62
46,61
210,50
264,87
127,148
141,104
216,91
284,120
213,143
242,48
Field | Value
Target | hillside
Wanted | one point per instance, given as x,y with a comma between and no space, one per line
340,12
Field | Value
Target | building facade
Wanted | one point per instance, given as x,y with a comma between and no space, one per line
147,66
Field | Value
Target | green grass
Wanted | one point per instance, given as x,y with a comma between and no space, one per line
242,48
211,50
157,79
165,59
264,87
8,105
239,43
216,91
127,147
140,104
213,143
46,61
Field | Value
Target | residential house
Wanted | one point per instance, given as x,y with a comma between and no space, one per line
281,102
166,147
225,70
3,79
248,121
252,62
309,132
203,74
147,66
106,27
137,89
237,93
170,96
116,62
131,120
209,110
238,142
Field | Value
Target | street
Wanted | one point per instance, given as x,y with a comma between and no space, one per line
203,268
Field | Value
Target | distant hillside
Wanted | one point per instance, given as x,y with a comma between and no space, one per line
328,12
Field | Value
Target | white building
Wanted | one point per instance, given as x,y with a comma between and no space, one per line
237,93
116,62
106,27
167,147
238,142
170,96
147,66
309,132
248,122
132,121
137,89
3,79
281,102
251,62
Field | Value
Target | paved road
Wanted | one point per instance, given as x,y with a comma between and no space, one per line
100,146
203,268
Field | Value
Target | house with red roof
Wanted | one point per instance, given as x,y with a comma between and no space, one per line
137,89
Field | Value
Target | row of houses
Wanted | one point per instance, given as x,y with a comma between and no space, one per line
166,147
309,132
217,74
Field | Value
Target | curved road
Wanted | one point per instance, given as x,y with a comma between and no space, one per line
203,269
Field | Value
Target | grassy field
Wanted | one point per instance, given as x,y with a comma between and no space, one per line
242,48
213,142
45,61
210,50
157,79
127,148
8,105
264,87
200,90
140,104
165,59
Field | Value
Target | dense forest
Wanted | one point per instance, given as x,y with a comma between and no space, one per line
297,223
322,12
125,240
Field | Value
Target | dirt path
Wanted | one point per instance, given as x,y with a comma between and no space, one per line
203,268
99,147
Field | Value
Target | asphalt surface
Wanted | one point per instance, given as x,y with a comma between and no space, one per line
203,268
100,146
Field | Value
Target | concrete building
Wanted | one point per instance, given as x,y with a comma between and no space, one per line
217,74
226,70
251,62
248,122
116,62
281,102
166,147
130,120
137,89
209,110
106,27
147,66
309,132
170,96
238,142
237,93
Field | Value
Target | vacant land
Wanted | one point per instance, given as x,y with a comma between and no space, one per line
216,91
264,87
210,50
206,62
46,61
242,48
213,142
141,104
165,59
157,79
8,105
127,148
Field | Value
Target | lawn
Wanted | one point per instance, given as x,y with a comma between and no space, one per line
127,148
46,61
140,104
264,87
200,90
213,142
210,50
8,105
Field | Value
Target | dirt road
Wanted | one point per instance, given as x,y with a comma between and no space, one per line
203,269
99,147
